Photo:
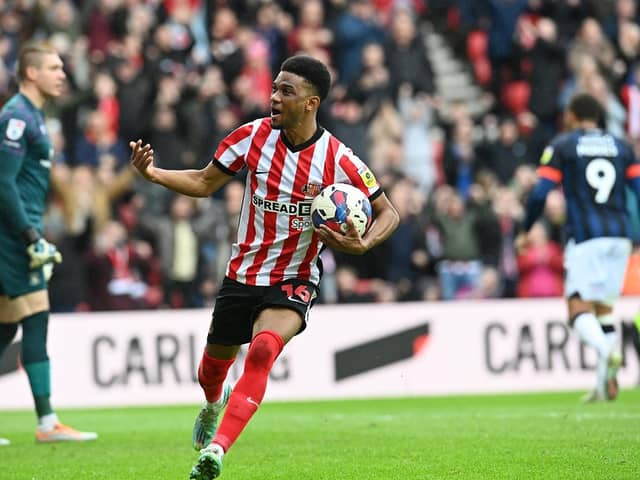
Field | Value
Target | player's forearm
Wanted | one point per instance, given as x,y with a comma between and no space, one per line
536,201
187,182
12,209
384,225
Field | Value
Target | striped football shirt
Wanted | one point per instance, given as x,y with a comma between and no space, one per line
276,240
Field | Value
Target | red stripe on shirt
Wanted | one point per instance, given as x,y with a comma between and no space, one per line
352,172
291,243
270,219
550,173
253,157
633,171
237,164
328,177
233,138
329,172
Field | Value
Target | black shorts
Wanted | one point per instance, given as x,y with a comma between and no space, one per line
238,306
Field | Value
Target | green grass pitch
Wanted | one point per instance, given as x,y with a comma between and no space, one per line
524,436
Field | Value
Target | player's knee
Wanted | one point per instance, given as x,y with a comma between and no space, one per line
263,351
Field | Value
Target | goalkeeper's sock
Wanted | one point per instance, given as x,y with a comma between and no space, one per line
211,374
39,374
46,423
249,391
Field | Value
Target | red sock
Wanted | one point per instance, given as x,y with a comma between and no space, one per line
211,375
249,391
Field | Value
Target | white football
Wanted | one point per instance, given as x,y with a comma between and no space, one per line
338,201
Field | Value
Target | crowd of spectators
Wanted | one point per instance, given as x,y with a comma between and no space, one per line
181,74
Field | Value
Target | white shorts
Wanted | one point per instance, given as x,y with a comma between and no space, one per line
595,268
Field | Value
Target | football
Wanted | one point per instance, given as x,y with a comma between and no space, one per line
338,201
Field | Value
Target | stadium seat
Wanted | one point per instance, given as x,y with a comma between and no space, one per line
477,45
482,71
515,96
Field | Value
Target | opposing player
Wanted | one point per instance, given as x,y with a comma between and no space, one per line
273,274
593,168
26,258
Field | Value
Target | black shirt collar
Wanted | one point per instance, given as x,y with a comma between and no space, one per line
298,148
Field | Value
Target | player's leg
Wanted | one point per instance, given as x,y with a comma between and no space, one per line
611,262
585,323
635,336
231,326
594,275
7,333
35,360
604,312
272,329
212,372
9,319
8,330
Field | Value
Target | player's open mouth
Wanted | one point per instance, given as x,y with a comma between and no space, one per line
275,113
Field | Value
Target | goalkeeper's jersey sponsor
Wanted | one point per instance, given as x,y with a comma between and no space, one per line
25,163
276,240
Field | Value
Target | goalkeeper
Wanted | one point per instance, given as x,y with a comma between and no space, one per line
26,258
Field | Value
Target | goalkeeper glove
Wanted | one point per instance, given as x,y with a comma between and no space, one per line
47,271
40,251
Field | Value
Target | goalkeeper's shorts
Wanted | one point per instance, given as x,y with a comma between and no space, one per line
16,278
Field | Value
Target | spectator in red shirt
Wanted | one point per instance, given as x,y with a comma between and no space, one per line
540,265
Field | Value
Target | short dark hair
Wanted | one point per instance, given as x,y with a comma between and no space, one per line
313,71
586,107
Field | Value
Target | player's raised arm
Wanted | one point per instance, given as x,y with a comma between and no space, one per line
386,220
195,183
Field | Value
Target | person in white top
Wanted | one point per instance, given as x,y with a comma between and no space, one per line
273,273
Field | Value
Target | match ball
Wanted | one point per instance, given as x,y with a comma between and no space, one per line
338,201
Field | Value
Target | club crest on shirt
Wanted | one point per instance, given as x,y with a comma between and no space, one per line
15,128
311,189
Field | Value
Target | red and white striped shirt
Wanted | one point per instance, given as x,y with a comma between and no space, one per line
276,240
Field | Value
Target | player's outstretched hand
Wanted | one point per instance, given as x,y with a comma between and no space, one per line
41,253
351,242
142,158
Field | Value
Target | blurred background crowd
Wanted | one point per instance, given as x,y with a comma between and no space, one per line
450,102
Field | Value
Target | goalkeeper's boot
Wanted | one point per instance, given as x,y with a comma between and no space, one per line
63,433
209,464
207,420
615,361
4,441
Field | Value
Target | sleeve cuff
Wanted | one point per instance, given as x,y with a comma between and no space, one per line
30,235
